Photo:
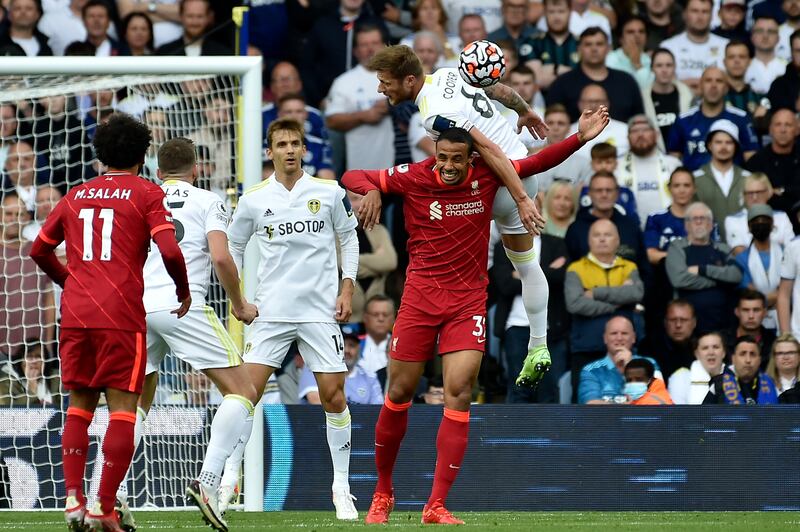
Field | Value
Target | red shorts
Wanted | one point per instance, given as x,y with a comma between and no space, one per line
102,358
457,318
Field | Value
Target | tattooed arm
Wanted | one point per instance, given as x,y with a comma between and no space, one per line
527,116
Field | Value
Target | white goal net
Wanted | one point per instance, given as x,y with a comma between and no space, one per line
47,122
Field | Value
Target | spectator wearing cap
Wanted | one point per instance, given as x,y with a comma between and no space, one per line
720,182
666,97
785,90
757,191
696,49
766,66
742,383
780,160
645,169
360,386
641,385
731,25
688,135
703,272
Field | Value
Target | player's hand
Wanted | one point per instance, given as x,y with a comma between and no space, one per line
530,216
591,123
246,313
534,123
344,307
370,211
184,308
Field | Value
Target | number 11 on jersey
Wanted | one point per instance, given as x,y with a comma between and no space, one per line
107,216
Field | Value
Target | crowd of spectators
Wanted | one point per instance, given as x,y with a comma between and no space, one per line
669,245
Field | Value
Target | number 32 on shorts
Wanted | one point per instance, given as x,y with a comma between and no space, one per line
480,328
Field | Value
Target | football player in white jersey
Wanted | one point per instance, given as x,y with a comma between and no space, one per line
446,101
295,220
199,338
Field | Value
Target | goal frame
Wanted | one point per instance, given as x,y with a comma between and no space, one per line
249,143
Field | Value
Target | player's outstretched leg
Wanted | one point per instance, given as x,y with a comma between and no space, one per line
74,447
535,293
226,430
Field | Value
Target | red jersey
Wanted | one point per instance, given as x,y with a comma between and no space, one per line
448,225
107,224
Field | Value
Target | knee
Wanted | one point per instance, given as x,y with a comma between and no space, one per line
458,397
333,400
400,392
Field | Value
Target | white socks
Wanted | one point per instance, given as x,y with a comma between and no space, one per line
535,293
338,432
230,476
226,431
138,434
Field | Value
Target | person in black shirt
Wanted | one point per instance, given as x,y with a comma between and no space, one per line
667,98
663,19
742,382
731,18
780,161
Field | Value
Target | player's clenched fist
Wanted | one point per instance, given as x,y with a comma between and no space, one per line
245,313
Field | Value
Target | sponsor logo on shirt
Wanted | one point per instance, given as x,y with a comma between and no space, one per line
436,210
305,226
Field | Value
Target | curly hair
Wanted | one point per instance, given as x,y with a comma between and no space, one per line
122,141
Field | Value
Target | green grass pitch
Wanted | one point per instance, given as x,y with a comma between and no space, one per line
516,521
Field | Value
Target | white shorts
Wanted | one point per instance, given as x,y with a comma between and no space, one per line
321,344
504,209
198,338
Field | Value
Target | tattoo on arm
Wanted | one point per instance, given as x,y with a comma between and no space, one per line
508,97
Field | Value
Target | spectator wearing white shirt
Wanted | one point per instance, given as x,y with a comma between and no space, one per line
355,107
20,170
379,315
689,386
582,17
615,133
757,191
792,24
766,65
577,168
696,48
489,10
63,25
23,15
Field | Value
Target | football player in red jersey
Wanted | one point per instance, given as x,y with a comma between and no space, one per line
107,224
447,208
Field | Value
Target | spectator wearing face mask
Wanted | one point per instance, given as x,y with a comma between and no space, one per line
641,386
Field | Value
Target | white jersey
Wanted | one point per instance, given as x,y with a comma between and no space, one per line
446,101
296,231
790,269
692,58
195,212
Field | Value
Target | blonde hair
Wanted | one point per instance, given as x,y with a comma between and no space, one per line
555,187
759,177
772,369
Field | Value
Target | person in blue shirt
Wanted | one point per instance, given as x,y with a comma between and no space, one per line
602,381
688,134
360,386
317,159
662,227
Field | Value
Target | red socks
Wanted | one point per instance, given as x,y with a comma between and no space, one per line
74,448
117,451
389,432
451,444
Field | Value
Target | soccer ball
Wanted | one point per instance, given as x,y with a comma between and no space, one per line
481,63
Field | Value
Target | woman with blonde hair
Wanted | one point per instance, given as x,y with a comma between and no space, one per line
784,362
560,206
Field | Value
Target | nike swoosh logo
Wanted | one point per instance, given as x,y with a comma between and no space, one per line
454,466
379,445
481,340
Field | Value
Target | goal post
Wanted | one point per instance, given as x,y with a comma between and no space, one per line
227,89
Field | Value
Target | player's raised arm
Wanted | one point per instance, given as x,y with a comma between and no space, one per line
590,125
228,275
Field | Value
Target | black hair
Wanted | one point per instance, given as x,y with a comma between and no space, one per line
680,170
457,135
748,294
591,31
94,3
642,363
126,22
122,141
